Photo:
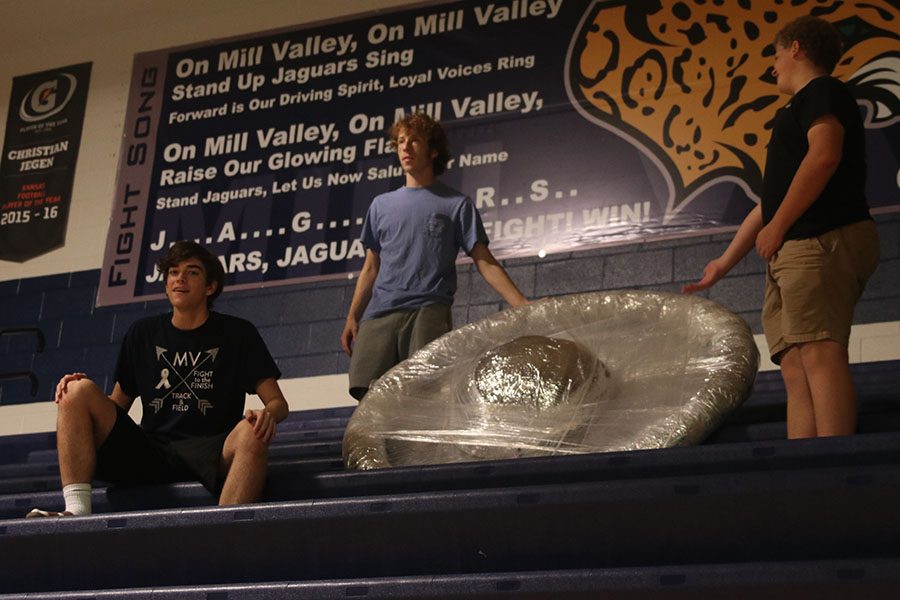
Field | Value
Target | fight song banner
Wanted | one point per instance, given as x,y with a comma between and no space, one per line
573,124
40,150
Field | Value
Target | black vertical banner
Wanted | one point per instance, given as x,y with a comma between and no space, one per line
40,150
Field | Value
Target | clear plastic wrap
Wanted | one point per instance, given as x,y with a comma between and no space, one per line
584,373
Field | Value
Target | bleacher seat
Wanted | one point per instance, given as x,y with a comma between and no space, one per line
823,580
742,519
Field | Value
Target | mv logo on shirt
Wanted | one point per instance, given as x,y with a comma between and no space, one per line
184,377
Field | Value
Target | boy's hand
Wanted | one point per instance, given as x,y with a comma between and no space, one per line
769,241
263,424
713,272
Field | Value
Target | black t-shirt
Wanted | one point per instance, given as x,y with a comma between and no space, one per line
192,383
843,201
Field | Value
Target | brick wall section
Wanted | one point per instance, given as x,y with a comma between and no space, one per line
301,324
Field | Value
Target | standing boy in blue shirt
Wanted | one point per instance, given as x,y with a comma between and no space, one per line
412,237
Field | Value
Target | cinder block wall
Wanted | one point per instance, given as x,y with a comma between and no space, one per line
302,323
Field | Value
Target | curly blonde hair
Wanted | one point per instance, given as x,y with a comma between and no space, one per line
431,131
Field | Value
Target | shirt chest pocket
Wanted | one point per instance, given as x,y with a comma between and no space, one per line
437,227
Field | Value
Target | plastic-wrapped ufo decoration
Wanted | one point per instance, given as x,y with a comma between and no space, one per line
594,372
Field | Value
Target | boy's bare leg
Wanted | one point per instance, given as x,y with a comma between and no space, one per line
245,459
86,416
827,368
83,422
801,417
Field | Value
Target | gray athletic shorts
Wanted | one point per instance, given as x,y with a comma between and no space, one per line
385,341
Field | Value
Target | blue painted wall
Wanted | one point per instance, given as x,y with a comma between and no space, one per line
301,324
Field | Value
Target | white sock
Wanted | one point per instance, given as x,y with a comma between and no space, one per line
78,498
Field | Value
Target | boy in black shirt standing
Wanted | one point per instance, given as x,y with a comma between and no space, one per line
814,228
191,369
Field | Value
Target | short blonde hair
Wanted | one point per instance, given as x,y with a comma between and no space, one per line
818,38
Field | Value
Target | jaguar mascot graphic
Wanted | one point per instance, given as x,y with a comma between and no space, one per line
690,83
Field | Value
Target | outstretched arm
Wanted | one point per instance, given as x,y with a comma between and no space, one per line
739,247
496,276
361,296
275,411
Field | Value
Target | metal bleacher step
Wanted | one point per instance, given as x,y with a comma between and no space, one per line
28,469
47,480
870,379
29,484
822,579
298,425
324,477
148,497
818,513
14,449
285,442
305,435
762,423
293,444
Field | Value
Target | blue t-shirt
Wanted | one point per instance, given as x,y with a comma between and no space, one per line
417,233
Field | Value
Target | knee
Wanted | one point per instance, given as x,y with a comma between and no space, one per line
84,400
246,442
824,354
79,395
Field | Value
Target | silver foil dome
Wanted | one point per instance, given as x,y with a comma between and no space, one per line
535,371
644,370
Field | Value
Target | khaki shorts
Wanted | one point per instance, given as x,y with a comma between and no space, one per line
813,284
385,341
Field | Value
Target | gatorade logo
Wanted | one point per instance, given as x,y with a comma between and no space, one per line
47,98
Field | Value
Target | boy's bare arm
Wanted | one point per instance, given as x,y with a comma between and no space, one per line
496,276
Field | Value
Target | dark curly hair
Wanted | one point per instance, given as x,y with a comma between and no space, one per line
431,131
182,251
818,38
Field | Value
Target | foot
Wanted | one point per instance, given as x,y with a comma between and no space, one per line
38,513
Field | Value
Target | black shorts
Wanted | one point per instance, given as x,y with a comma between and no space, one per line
131,455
